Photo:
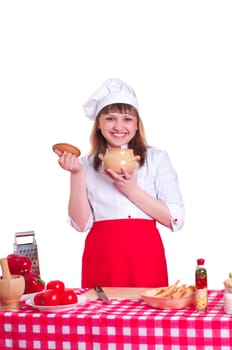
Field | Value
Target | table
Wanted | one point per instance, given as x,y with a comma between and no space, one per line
120,325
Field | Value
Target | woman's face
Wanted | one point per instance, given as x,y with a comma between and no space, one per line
117,128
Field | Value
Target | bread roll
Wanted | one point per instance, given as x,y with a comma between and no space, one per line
66,147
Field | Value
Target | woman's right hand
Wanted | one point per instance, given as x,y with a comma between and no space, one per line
69,162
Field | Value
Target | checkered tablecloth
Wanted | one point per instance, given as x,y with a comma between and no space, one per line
120,325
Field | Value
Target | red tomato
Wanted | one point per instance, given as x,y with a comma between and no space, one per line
38,298
68,297
56,285
50,297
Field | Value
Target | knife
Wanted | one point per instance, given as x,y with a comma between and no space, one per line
101,294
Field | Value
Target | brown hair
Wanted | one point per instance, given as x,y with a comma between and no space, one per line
99,143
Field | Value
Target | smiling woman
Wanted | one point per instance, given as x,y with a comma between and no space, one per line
121,212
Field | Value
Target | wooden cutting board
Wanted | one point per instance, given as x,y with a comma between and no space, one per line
119,293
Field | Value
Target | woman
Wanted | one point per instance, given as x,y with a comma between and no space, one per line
123,247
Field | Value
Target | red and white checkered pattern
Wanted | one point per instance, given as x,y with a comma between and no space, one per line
120,325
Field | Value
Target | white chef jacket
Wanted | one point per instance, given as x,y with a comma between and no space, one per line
156,177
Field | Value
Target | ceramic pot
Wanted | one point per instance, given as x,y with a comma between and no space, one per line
118,158
11,288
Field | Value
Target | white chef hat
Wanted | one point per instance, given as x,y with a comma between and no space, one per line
112,91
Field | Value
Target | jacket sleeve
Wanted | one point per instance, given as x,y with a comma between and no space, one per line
88,225
167,190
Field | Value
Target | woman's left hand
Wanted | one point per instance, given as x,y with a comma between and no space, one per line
125,182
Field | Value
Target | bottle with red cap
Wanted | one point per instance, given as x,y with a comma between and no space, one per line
201,286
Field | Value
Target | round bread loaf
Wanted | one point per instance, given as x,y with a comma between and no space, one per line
66,147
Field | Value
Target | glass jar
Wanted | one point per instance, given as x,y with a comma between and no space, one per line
228,295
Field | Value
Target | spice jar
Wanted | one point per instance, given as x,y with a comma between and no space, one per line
201,286
228,295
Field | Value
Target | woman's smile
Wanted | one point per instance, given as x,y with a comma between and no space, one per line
119,134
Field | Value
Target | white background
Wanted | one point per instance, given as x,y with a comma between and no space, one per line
177,56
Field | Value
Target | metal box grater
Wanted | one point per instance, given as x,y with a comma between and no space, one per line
28,249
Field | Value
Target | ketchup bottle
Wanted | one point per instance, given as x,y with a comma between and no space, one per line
201,286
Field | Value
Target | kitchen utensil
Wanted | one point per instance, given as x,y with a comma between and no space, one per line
11,288
29,249
117,293
101,294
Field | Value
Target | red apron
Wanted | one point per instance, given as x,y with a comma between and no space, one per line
124,253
